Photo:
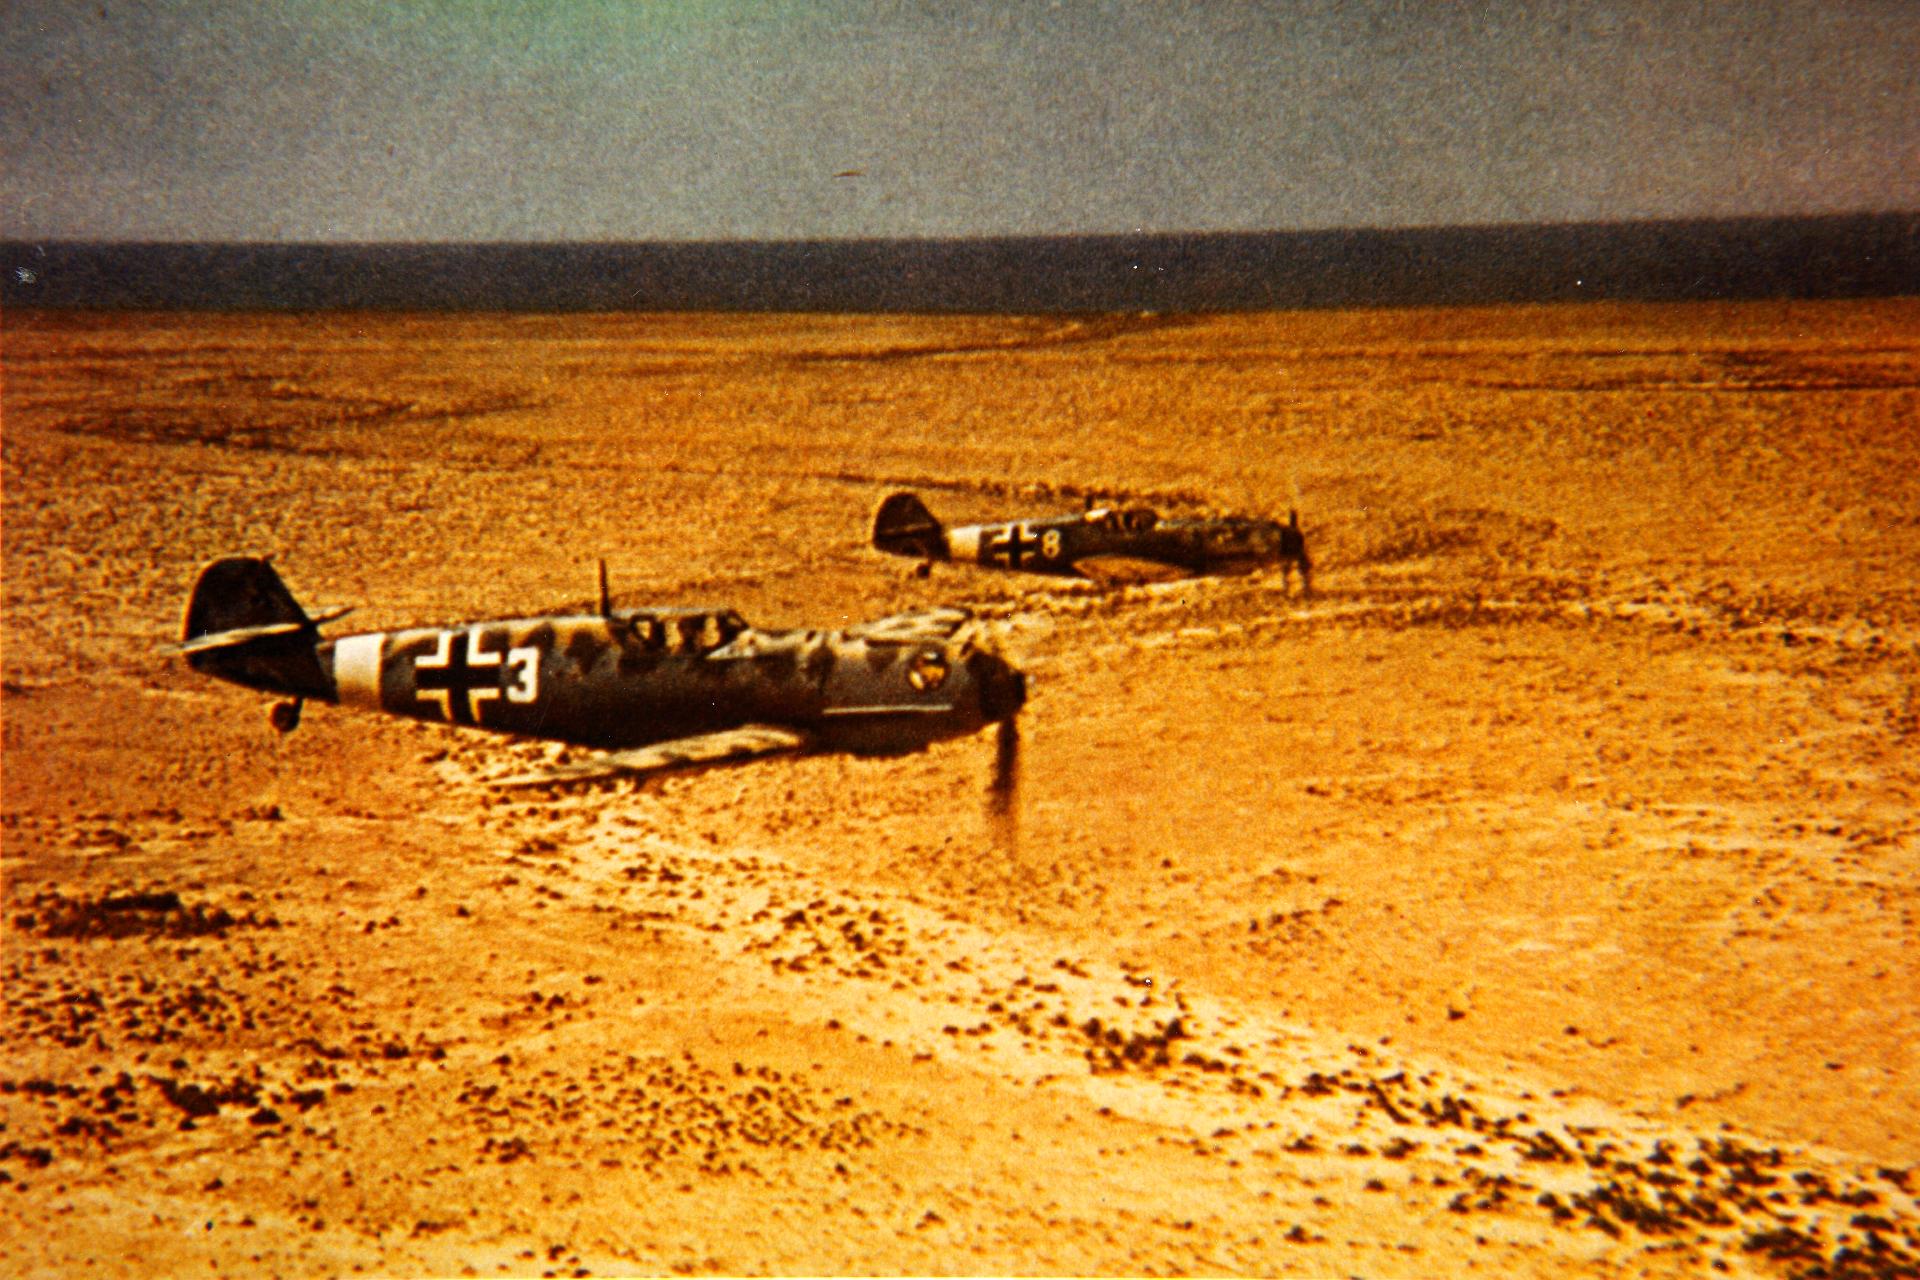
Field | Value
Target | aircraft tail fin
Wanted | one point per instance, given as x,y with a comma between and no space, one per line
240,593
243,624
904,527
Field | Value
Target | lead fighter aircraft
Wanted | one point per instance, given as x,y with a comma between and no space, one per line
1104,543
646,689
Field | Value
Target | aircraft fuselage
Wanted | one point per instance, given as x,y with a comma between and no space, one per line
639,677
1064,544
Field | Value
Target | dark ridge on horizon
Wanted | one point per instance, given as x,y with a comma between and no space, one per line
1829,256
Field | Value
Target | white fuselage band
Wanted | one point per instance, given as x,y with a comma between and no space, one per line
356,670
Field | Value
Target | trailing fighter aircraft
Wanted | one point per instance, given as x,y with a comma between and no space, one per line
1103,543
646,689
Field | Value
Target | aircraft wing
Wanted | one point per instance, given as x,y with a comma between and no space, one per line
725,747
922,626
1111,570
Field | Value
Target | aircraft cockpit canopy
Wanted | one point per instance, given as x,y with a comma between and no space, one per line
1131,520
694,631
927,670
706,631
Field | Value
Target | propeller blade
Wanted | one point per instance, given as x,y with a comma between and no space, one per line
1006,765
1003,817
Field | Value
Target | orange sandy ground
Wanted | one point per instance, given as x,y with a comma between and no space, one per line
1536,899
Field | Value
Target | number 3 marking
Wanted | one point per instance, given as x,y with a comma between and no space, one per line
524,665
1050,544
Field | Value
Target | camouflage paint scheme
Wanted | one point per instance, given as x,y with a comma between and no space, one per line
1102,542
615,681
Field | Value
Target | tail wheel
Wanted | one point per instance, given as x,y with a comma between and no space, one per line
285,716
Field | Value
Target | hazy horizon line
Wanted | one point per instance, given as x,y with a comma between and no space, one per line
1813,255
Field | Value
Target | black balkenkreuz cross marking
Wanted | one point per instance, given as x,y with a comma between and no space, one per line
1013,546
457,676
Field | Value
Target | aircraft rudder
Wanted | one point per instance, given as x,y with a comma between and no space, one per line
243,625
238,592
904,526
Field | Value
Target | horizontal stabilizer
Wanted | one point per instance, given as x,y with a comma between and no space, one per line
239,636
247,635
702,750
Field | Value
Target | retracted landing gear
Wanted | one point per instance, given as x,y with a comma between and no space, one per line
285,716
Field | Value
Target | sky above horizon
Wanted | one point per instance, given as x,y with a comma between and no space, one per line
316,120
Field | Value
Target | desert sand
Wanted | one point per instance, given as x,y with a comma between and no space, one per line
1536,899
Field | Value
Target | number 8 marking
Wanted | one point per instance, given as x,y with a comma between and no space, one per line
1050,544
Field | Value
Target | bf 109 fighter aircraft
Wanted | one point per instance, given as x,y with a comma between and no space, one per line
647,689
1103,543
